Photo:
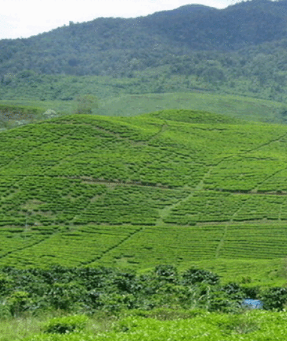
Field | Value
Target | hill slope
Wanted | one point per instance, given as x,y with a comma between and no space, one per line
166,187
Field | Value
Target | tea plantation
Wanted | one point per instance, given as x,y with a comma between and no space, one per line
154,227
175,187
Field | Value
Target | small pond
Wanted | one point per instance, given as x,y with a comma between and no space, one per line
252,304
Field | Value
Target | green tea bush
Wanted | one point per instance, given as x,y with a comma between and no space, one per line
67,324
239,325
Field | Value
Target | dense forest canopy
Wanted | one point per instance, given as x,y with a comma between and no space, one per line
116,46
237,50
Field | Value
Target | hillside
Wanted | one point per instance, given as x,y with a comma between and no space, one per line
19,111
238,50
175,186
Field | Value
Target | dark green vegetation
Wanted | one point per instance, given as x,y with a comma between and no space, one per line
175,187
132,302
12,115
90,290
238,50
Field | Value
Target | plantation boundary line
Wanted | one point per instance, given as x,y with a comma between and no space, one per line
266,144
247,151
230,222
114,246
199,187
249,192
31,245
280,211
118,135
269,177
111,182
80,215
163,128
221,242
241,223
165,211
99,181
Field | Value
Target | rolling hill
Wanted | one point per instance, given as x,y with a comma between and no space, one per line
173,186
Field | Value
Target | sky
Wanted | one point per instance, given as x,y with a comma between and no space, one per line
25,18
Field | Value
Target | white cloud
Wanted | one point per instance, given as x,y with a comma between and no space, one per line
23,18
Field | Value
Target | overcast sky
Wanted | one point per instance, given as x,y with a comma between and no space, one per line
24,18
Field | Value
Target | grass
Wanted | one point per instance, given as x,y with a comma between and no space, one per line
25,327
199,325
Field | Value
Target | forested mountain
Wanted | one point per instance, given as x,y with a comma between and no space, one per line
113,45
240,50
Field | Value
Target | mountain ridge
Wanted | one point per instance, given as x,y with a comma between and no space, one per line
237,26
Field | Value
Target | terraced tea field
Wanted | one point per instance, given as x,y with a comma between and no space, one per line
175,186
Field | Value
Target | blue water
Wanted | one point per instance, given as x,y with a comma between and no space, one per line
252,304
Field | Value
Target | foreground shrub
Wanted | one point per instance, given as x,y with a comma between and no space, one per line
194,275
18,302
274,298
167,273
67,324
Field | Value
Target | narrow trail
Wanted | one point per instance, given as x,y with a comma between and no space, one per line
280,212
118,136
166,210
221,242
125,184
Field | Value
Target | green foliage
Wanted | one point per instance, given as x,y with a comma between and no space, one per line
91,290
274,298
66,324
15,115
253,325
189,54
18,302
167,273
85,104
193,275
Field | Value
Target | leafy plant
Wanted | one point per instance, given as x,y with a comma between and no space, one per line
86,103
167,273
18,302
66,324
274,298
194,275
